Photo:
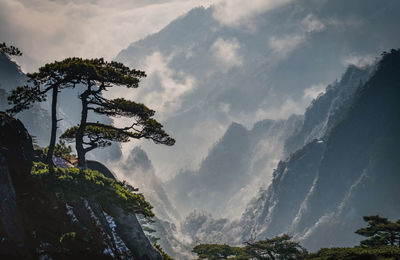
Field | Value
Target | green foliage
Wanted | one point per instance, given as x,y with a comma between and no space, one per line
380,231
357,253
23,97
71,183
96,76
280,247
217,251
61,150
100,135
123,107
163,254
67,236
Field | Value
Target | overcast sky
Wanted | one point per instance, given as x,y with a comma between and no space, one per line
48,30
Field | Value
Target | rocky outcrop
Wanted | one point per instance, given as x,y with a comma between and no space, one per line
321,193
95,165
16,153
37,223
132,234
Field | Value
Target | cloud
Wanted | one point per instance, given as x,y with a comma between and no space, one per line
360,61
284,109
163,89
226,53
51,30
283,45
312,24
236,13
313,92
174,85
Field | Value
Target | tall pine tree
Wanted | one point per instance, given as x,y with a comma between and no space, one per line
97,76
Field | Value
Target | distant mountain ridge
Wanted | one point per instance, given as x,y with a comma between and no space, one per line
238,158
205,74
352,172
320,193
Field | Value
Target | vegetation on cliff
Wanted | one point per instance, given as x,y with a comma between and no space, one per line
71,184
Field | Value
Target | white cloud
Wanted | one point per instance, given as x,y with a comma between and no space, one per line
51,30
237,13
313,92
226,53
282,111
360,61
174,85
312,24
283,45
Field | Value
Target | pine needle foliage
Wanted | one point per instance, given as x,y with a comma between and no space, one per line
72,183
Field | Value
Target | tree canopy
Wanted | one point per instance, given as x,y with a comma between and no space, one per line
92,77
50,77
380,231
96,76
216,251
280,247
277,248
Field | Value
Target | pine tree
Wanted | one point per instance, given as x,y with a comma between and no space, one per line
380,231
51,77
97,76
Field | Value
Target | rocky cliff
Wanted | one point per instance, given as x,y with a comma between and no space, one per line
44,215
322,191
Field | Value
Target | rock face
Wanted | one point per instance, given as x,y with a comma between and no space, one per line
325,110
322,191
95,165
35,223
16,154
232,169
129,229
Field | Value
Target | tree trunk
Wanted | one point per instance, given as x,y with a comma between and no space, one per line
52,144
80,150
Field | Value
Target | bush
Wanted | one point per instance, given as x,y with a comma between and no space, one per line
357,253
71,183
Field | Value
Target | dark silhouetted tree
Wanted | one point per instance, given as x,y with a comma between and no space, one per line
278,248
216,251
97,76
9,50
51,77
380,231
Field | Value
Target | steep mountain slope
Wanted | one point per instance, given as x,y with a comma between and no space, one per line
325,110
139,170
230,172
322,191
204,73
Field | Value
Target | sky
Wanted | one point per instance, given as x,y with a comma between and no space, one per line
48,30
